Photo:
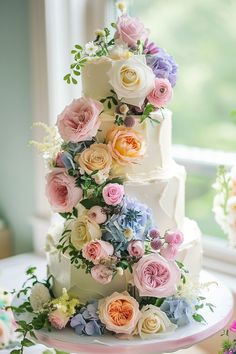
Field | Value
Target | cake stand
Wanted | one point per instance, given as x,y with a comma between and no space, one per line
217,294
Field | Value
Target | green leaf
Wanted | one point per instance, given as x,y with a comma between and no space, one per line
66,77
89,203
31,270
109,104
73,51
114,25
75,212
74,81
77,46
199,318
73,65
103,100
197,307
77,73
16,351
27,343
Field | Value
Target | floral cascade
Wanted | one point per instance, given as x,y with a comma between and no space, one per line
224,205
229,343
106,233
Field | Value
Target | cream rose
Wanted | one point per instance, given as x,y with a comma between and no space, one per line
153,322
83,231
132,80
96,158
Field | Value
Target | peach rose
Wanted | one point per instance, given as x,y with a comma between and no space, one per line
94,251
126,145
83,231
61,191
119,312
80,120
96,158
155,276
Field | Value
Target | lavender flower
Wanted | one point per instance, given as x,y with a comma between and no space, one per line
178,310
87,321
163,66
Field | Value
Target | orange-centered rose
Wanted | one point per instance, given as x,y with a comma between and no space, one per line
126,145
119,312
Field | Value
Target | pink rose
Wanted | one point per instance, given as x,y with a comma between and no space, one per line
113,193
119,312
232,327
174,237
130,30
169,252
95,251
61,191
97,214
155,276
80,120
58,319
102,274
136,249
161,94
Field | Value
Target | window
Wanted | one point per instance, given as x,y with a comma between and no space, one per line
201,37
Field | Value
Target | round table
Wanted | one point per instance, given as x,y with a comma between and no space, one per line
217,294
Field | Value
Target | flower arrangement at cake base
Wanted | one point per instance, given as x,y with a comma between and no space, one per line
229,343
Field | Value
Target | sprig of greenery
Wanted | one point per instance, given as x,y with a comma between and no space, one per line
119,120
79,61
110,100
104,42
149,108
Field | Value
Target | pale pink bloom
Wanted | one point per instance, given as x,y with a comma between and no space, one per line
232,327
95,251
113,193
102,274
119,312
169,252
155,276
80,120
58,319
130,30
136,248
174,237
61,191
97,214
161,94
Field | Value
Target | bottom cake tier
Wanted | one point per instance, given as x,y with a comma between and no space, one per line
82,285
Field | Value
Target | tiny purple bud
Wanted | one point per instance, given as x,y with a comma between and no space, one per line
129,121
156,244
154,233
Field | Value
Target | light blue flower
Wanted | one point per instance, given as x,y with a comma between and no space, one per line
178,310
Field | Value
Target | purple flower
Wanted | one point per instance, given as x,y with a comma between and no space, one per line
150,47
87,321
163,65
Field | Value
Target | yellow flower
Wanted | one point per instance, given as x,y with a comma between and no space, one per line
121,6
84,230
65,304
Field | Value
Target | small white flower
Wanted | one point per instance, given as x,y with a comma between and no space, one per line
39,296
120,271
91,48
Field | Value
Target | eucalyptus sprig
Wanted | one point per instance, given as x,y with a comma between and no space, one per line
111,100
80,59
149,108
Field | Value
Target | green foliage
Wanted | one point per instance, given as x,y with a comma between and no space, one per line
149,108
76,66
111,100
199,318
119,120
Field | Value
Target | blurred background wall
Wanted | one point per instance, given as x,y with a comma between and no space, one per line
16,167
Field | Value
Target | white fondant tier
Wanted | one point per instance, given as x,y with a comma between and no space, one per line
80,284
157,137
164,193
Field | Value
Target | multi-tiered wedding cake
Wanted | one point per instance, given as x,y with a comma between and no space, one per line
122,256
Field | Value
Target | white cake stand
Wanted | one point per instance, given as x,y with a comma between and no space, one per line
184,337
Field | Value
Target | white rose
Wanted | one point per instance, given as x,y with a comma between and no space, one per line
132,80
39,296
153,323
